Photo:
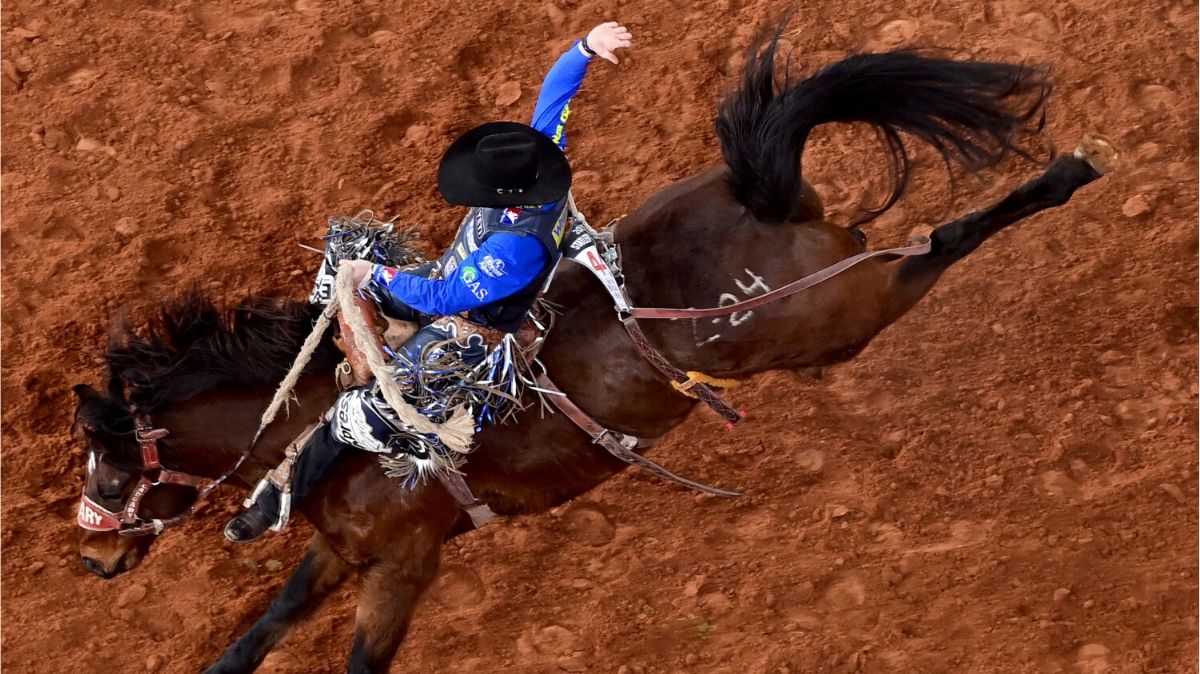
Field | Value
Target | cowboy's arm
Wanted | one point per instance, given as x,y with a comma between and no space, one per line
554,103
564,79
503,265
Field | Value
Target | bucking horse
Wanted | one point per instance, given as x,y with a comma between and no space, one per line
205,374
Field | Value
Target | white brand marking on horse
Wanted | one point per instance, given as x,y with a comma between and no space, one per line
735,318
756,286
758,283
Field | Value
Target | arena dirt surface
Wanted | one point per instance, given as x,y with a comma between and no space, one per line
1005,481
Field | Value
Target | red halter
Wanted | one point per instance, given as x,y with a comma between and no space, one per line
95,517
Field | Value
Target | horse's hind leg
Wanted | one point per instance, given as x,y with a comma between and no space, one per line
954,241
319,572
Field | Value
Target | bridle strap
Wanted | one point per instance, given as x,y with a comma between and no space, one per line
166,476
920,246
147,439
147,436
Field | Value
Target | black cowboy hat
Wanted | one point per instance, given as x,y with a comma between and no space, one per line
503,164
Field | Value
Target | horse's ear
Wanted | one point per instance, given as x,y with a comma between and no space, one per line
85,393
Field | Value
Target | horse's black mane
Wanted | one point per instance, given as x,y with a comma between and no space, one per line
189,345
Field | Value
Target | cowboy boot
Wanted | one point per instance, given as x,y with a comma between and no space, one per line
249,526
309,460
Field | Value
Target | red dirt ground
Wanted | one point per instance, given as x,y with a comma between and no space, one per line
1005,481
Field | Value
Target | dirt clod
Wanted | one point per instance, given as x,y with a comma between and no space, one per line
508,93
1136,206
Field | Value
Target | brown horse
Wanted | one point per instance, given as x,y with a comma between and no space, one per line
736,229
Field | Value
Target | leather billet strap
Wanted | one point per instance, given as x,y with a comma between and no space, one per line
583,248
477,510
919,246
611,441
695,389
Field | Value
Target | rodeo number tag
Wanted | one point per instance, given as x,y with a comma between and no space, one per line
322,292
582,249
595,261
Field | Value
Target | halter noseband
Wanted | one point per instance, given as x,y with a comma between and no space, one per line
95,517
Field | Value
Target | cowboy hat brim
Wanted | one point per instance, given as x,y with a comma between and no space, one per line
458,184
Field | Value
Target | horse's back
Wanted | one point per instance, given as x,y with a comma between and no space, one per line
707,195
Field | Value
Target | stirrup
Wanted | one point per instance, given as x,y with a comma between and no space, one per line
285,502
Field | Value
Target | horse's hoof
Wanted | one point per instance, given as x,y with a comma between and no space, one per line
1099,152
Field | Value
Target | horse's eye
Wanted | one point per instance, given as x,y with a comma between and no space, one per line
110,489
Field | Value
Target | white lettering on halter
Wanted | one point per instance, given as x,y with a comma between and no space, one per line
88,516
756,286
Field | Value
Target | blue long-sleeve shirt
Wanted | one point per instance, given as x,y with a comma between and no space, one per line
505,263
554,102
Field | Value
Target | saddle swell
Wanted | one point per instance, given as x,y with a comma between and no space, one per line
359,368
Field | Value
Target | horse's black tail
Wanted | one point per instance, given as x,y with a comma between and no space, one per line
973,113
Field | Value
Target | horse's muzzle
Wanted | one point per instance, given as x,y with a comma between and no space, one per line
98,568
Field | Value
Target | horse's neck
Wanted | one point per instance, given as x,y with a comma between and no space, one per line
209,431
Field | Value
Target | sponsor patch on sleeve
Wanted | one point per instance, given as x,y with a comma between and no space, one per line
491,266
470,278
385,275
560,228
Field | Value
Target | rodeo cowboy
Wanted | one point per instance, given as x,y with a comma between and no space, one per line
515,179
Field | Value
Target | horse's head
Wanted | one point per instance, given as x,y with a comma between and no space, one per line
206,370
122,500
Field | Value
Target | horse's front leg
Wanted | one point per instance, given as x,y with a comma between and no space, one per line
391,587
319,572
